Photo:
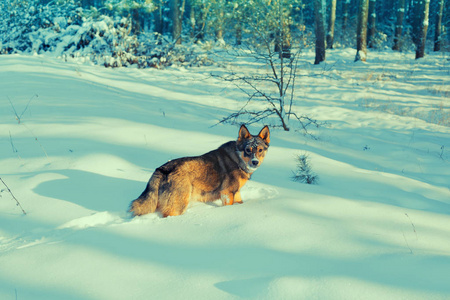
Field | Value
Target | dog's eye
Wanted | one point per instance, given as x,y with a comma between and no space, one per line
248,150
260,150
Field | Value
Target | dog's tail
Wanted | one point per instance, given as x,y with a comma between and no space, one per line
147,202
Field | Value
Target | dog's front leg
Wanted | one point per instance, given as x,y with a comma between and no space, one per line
227,199
237,198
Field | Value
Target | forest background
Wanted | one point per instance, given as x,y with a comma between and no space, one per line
145,32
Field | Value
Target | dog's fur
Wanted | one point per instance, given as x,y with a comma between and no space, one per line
218,174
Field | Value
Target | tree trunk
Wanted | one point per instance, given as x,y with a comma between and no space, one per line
282,36
135,21
371,23
192,20
399,25
200,23
238,34
219,34
283,42
420,25
331,21
159,19
175,8
220,20
345,14
319,21
437,31
361,31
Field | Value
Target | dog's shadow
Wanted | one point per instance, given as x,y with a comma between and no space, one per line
92,191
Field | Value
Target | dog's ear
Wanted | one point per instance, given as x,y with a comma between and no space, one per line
243,133
264,134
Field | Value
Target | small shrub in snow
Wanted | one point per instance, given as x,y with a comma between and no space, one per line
304,173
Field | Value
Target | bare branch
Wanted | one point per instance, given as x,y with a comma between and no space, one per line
18,118
17,201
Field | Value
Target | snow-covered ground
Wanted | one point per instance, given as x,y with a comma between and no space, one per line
376,226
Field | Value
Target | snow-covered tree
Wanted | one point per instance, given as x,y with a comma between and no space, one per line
21,21
214,17
139,11
265,22
220,18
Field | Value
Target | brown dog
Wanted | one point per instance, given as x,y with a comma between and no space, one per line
218,174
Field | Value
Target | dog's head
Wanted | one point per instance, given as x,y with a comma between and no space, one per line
252,148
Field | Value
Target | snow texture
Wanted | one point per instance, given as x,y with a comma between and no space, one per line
376,226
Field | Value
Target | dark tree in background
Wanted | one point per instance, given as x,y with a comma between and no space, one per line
177,15
319,17
420,25
438,26
158,17
361,31
345,8
220,12
399,25
372,23
282,14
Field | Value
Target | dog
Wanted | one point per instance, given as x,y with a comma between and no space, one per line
218,174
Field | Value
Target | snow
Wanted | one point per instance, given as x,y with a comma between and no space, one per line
376,226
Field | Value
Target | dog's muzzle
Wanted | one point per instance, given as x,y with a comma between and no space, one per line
254,163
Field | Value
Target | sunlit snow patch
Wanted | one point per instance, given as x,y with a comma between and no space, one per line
96,219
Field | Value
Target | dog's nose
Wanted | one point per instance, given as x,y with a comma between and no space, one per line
255,162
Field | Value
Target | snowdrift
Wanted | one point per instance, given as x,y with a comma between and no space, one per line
78,143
